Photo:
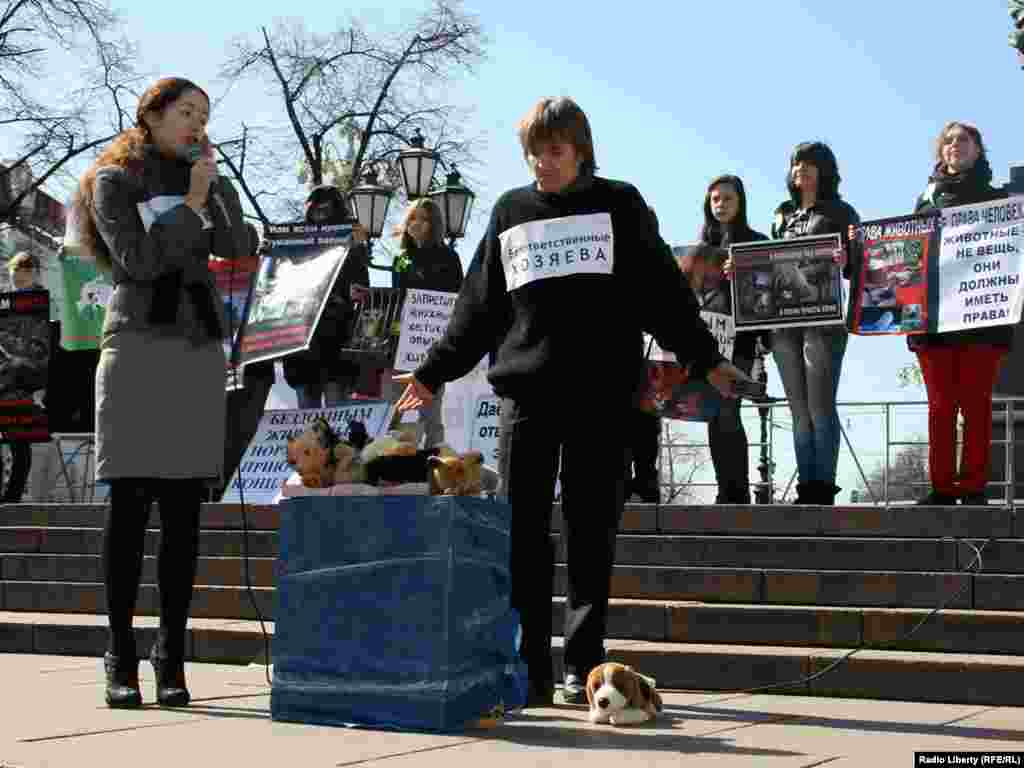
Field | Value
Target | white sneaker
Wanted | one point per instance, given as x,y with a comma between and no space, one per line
573,690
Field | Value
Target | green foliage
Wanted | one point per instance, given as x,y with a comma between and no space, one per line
910,376
1017,14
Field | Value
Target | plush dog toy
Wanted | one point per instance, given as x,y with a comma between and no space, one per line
314,455
454,475
619,695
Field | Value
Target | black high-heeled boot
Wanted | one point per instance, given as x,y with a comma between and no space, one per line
170,681
122,682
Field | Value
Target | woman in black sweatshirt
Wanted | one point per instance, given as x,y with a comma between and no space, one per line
567,277
725,224
960,367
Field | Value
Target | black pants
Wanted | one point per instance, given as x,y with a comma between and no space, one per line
645,435
123,543
244,410
593,454
21,465
730,450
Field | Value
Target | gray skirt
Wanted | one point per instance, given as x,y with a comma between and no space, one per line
160,408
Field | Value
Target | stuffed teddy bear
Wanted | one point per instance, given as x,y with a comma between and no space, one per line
619,695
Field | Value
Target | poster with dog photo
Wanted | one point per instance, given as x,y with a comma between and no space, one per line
25,346
890,287
292,288
234,282
786,283
87,293
671,393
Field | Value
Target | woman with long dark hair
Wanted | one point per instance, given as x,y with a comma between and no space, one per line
725,224
959,367
151,210
810,358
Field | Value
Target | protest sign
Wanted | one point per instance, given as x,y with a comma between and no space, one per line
24,364
234,280
84,303
954,269
890,290
292,287
485,428
980,265
712,290
264,466
786,283
425,316
671,393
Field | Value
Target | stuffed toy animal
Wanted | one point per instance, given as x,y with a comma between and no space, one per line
454,475
619,695
314,455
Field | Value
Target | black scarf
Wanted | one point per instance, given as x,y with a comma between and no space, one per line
171,174
968,186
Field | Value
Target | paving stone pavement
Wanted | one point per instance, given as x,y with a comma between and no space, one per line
53,715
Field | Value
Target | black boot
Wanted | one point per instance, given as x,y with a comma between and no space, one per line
122,682
805,493
826,493
170,681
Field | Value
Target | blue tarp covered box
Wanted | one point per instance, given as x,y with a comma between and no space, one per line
394,611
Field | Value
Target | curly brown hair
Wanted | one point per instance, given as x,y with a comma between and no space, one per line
127,150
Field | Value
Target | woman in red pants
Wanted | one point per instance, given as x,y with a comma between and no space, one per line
960,367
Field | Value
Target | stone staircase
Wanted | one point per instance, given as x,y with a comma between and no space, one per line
708,597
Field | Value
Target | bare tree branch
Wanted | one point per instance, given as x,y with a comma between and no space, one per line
352,99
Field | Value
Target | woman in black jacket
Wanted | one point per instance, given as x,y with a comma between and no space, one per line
959,367
725,224
318,375
425,262
810,358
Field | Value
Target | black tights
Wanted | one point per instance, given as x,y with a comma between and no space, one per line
124,539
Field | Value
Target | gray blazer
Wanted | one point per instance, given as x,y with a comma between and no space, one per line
160,247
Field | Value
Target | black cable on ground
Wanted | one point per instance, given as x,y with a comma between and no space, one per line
236,344
865,646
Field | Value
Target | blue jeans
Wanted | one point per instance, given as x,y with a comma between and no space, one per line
810,360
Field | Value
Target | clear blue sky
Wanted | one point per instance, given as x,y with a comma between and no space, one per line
678,93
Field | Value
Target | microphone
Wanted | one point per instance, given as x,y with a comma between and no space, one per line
194,153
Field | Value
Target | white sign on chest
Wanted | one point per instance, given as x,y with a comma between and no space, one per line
155,207
572,245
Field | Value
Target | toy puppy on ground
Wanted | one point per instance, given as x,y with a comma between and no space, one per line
619,695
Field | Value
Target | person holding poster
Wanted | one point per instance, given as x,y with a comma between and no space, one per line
152,209
568,275
642,478
24,272
725,223
424,261
319,376
810,358
959,367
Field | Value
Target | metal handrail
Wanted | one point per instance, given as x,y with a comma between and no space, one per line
1006,414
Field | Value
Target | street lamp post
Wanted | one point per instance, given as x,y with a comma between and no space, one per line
766,467
370,205
455,200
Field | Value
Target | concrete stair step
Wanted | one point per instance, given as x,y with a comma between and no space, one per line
979,679
767,520
24,573
213,571
1000,556
89,541
950,630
